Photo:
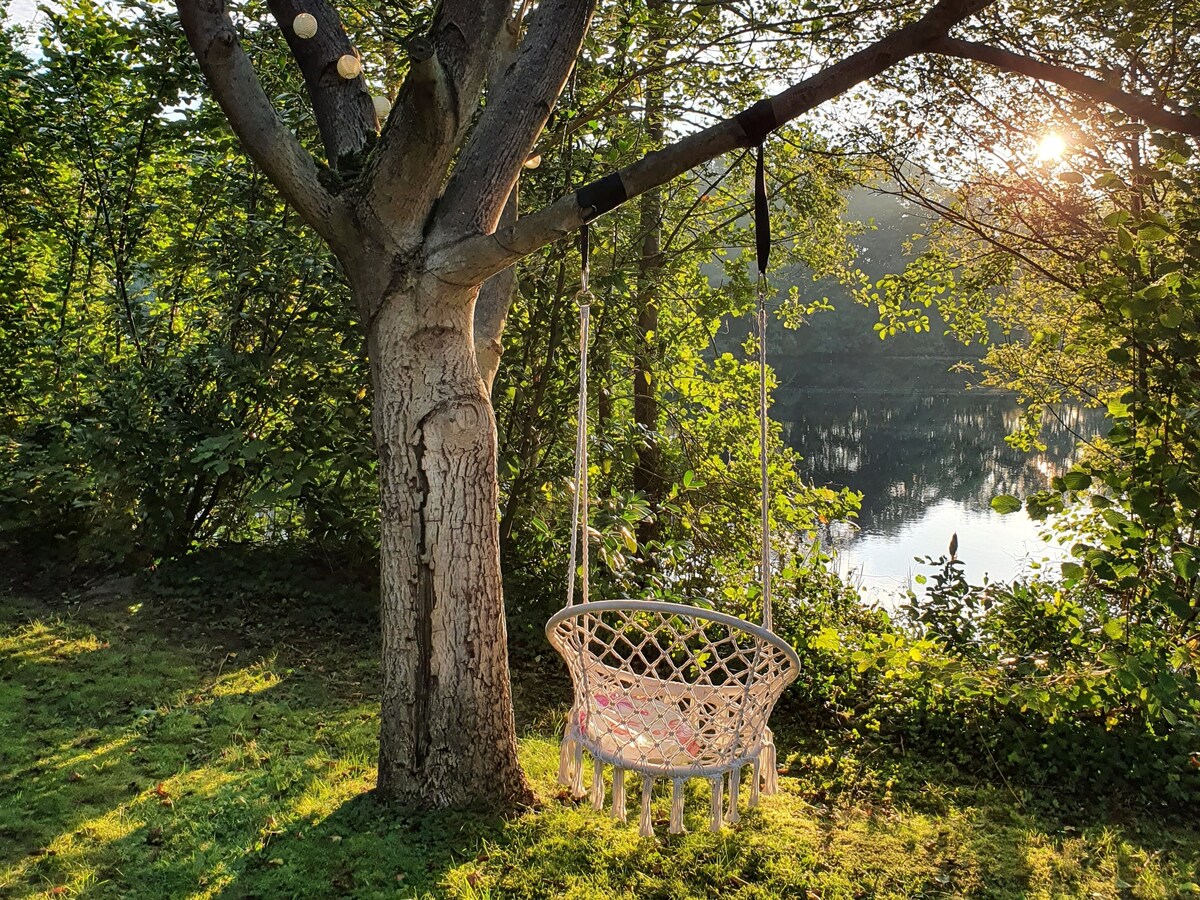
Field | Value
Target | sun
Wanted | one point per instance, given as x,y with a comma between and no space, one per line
1052,146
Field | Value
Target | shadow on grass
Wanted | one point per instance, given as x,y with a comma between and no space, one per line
365,848
140,767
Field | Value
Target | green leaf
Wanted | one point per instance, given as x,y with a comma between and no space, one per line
1152,233
1072,571
827,640
1005,504
1172,316
1185,563
1077,481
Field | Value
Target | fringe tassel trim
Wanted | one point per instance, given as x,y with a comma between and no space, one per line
618,795
770,770
717,805
597,784
676,806
566,755
735,777
577,790
645,826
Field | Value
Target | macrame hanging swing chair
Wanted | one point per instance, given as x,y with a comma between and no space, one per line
667,690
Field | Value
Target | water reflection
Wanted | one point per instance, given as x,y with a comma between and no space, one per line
928,456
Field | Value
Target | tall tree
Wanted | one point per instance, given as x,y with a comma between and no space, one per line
647,475
415,217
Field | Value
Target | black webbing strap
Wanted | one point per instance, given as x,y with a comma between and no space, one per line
762,244
762,214
599,197
757,122
585,247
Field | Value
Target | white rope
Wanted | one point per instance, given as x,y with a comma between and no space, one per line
763,431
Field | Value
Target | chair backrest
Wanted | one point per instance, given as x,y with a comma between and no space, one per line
674,689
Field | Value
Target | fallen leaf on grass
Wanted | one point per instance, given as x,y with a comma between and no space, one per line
164,797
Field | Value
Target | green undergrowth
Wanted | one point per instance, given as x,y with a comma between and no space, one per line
143,756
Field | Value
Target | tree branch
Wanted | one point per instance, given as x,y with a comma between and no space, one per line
1136,106
432,111
491,309
268,141
496,294
515,115
473,259
344,112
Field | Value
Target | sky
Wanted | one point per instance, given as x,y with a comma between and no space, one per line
21,10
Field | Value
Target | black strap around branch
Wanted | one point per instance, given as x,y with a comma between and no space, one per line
599,197
757,122
762,214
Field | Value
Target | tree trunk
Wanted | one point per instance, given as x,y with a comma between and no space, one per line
447,733
647,470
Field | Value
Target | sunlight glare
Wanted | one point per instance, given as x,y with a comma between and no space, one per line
1051,146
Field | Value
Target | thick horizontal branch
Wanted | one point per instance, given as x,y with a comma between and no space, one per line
268,141
472,260
1136,106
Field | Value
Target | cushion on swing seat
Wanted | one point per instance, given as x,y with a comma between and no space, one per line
636,729
669,689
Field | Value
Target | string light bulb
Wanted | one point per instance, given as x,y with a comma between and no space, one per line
305,25
383,106
534,161
349,66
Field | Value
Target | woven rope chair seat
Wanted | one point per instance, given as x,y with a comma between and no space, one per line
668,690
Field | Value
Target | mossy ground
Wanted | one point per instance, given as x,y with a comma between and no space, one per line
147,755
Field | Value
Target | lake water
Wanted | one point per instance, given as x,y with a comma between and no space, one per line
928,456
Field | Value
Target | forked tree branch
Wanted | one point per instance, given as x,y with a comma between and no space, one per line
269,142
406,171
515,115
1136,106
471,260
432,112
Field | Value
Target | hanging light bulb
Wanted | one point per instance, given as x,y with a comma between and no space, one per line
534,161
383,106
305,25
349,66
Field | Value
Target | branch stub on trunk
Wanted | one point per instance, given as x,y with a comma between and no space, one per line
420,48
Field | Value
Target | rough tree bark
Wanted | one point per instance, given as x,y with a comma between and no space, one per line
647,468
414,216
447,732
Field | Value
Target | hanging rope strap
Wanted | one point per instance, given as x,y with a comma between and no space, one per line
762,241
579,511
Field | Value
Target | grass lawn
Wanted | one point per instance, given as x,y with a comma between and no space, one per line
151,755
